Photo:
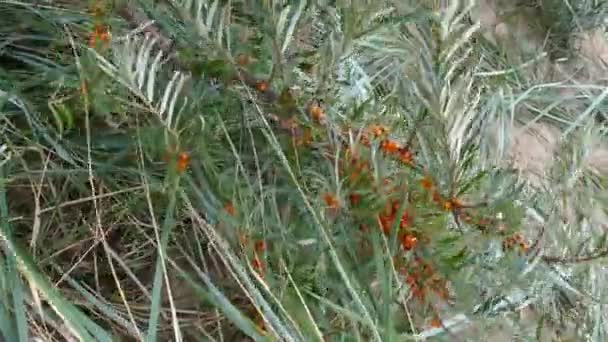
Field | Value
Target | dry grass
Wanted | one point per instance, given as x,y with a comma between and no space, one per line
144,244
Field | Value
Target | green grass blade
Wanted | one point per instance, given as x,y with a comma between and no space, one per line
160,261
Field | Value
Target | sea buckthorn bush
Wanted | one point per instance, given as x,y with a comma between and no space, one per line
284,171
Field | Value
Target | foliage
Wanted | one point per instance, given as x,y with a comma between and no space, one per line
305,170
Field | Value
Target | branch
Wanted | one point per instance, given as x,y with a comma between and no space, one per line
575,260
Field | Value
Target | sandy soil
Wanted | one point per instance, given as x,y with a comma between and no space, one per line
533,148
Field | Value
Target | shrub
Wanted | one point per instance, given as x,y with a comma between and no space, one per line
285,171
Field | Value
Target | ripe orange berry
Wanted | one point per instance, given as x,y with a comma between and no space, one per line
405,221
377,130
261,86
435,323
426,183
330,200
386,222
408,242
183,160
100,33
436,196
390,146
354,199
260,246
447,205
316,112
405,156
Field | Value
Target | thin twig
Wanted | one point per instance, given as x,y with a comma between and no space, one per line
575,260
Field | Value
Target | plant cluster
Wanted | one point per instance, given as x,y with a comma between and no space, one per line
294,171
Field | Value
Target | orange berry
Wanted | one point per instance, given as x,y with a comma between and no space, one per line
405,221
354,198
101,33
437,197
386,221
330,200
260,246
377,130
104,36
435,323
405,156
183,160
229,208
447,205
426,183
408,241
418,292
390,146
316,112
261,86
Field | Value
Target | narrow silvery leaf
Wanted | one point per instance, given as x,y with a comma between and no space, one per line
282,20
152,77
176,93
165,101
211,14
292,25
143,58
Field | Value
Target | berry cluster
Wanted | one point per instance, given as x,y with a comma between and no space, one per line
101,31
387,203
516,240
